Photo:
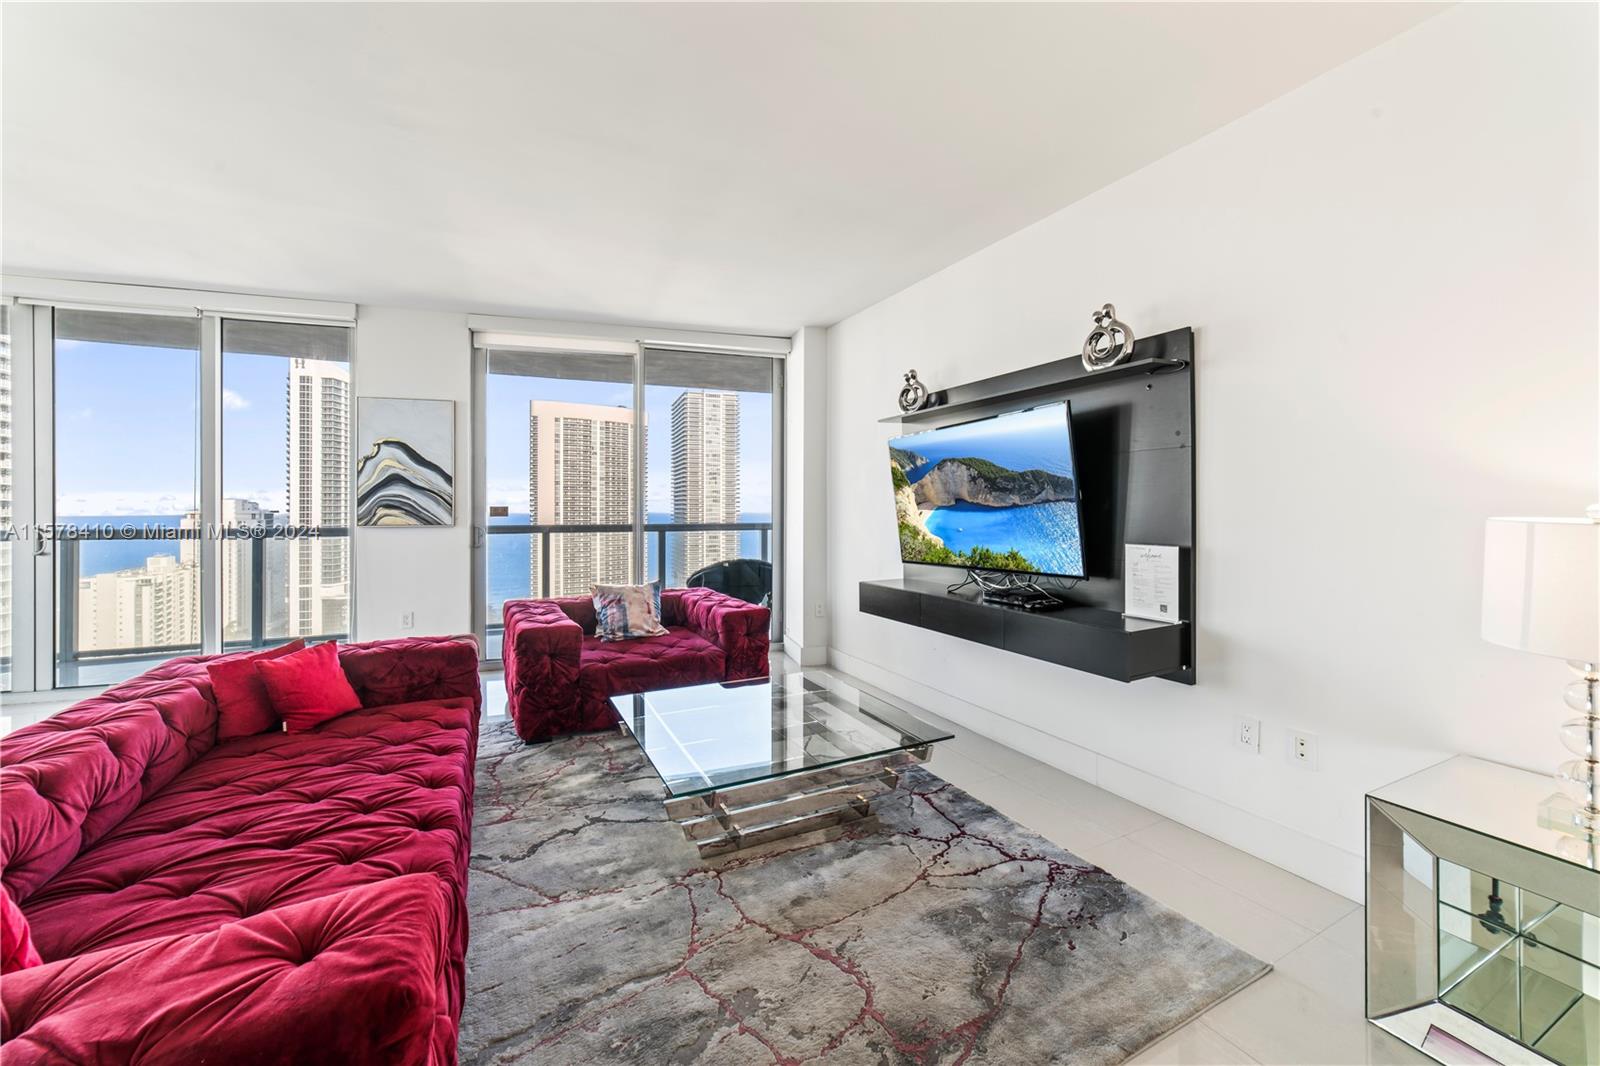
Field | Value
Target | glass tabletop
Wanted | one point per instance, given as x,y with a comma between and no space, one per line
707,737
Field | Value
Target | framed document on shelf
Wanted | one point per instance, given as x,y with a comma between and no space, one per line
1150,582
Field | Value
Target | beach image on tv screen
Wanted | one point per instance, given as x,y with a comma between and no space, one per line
1000,494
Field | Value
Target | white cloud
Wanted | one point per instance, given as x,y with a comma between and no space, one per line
118,503
124,503
232,401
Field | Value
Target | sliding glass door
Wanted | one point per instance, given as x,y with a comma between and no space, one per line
612,467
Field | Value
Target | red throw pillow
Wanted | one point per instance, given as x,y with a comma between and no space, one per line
16,942
308,687
243,707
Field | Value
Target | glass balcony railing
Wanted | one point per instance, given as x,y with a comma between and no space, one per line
129,597
526,561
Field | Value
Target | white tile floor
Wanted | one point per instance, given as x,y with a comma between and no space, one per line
1308,1010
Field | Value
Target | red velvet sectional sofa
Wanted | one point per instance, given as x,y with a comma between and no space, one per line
278,898
560,677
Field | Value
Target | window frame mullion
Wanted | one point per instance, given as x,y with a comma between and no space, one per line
26,566
210,456
640,567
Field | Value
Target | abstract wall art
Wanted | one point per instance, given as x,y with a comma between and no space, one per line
405,462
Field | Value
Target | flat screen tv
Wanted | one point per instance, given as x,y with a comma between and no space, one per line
997,494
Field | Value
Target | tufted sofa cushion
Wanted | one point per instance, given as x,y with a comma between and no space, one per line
351,977
68,780
271,820
740,629
386,672
542,651
677,657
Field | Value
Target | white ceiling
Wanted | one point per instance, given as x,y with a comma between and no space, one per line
748,167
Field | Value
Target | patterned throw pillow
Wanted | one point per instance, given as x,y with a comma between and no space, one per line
628,612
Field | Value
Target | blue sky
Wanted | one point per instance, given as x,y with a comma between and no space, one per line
126,431
1037,438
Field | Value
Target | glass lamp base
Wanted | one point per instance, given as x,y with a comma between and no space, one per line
1563,813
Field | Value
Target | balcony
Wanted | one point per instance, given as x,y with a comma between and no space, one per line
255,585
157,596
511,550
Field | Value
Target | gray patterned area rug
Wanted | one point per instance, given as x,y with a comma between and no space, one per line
948,934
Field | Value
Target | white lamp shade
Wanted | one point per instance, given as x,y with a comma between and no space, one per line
1541,586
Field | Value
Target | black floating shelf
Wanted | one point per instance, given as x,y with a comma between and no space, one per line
1091,639
1163,353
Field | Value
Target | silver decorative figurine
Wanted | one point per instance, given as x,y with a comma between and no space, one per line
913,394
1109,343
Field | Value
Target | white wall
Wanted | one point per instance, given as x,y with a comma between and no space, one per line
1392,277
805,498
425,571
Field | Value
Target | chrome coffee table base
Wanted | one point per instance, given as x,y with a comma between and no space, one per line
729,819
749,762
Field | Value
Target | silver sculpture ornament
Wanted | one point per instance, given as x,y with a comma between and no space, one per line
1109,343
913,394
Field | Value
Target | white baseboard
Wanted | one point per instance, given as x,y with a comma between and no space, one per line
814,655
1318,861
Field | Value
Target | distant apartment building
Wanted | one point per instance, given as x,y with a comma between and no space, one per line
580,472
157,605
318,569
705,478
154,606
241,584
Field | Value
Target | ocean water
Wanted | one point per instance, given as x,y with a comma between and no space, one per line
106,556
507,563
509,555
1046,534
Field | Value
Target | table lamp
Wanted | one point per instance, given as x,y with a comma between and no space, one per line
1541,594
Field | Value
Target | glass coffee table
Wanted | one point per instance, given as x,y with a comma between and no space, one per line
757,761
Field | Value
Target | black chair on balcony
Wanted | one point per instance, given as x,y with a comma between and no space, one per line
747,579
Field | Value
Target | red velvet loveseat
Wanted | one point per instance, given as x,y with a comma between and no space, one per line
279,898
560,677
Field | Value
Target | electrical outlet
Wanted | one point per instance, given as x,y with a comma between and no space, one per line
1247,734
817,610
1303,750
408,620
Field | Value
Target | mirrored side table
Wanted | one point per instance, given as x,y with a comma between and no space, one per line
1483,927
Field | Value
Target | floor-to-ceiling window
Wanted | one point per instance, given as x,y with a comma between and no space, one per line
127,495
559,476
286,418
709,470
605,467
172,481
